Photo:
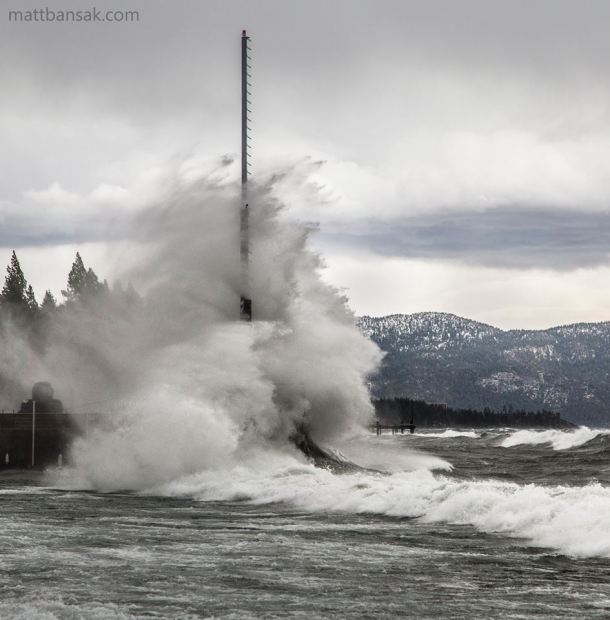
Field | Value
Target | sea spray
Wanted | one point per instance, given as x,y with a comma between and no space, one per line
208,404
196,388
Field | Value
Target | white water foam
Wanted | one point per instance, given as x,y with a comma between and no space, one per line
386,454
570,520
41,606
559,440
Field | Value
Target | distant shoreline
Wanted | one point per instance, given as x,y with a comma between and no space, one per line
444,358
426,415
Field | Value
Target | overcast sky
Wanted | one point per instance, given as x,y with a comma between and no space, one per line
465,146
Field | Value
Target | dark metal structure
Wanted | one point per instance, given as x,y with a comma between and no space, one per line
245,311
42,400
40,434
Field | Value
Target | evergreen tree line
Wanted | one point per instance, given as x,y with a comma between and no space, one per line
402,410
79,333
18,301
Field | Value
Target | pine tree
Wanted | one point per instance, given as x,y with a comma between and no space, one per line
48,302
77,280
131,295
92,283
14,290
83,283
30,299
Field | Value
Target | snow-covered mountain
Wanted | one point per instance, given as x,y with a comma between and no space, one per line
444,358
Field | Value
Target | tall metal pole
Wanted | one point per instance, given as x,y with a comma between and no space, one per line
33,432
245,312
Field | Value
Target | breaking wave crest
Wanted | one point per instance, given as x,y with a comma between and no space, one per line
559,440
450,434
570,520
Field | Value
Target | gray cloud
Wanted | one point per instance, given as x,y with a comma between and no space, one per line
351,78
418,108
505,238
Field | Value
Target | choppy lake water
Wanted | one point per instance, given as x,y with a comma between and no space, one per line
519,528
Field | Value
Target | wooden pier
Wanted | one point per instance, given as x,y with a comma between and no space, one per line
378,428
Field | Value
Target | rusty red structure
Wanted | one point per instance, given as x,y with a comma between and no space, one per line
43,439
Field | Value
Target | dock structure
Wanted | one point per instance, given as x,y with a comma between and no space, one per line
378,428
245,305
36,439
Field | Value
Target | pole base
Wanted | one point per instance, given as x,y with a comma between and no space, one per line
245,309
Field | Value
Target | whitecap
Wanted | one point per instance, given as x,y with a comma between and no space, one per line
558,439
450,434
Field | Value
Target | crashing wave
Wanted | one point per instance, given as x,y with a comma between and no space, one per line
559,440
570,520
450,434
